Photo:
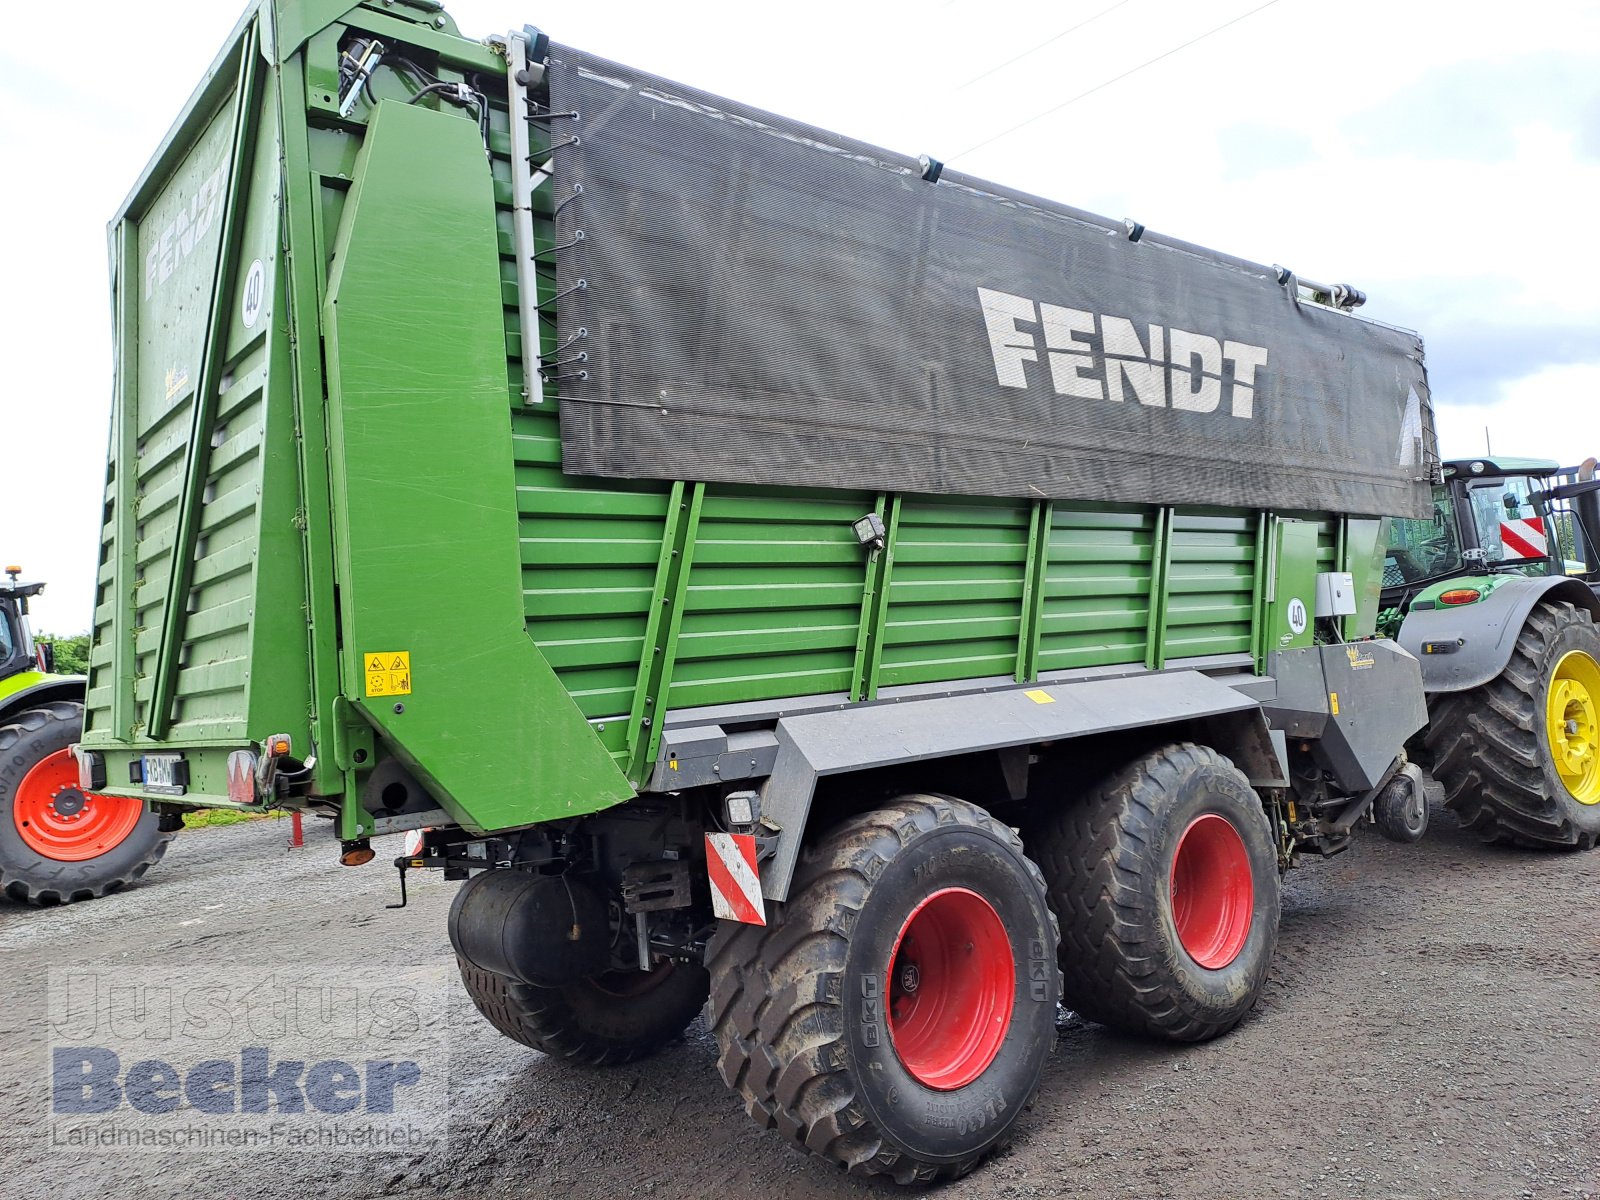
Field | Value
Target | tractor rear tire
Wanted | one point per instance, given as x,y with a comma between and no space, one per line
1165,882
57,843
1520,756
606,1020
895,1015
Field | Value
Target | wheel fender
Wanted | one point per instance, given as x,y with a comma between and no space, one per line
1471,644
49,690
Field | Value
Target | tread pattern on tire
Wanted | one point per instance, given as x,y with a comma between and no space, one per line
1488,746
776,993
33,720
546,1020
1111,973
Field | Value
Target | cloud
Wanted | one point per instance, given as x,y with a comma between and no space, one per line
1472,110
1552,413
1249,150
1473,363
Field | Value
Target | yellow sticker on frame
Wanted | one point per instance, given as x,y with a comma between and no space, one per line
1040,696
388,672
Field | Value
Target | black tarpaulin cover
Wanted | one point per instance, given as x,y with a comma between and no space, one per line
747,299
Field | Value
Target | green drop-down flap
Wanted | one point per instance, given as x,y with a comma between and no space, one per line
426,534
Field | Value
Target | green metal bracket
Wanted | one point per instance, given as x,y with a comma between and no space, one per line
877,619
663,625
247,112
1155,654
872,584
1039,518
125,582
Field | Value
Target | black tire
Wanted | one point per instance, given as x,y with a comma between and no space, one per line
608,1020
812,1028
32,877
1401,812
1109,859
1492,754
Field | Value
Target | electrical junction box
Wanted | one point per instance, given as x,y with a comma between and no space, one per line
1336,594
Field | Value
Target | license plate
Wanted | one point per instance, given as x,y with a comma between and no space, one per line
165,773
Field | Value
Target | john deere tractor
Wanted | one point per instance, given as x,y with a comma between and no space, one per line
58,843
1494,595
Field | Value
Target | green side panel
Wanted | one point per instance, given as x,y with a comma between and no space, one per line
589,553
1365,542
1210,583
955,595
773,606
1097,586
241,661
1299,557
427,528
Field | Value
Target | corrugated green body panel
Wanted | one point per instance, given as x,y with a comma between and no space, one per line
202,494
1209,583
955,591
773,604
1097,586
426,527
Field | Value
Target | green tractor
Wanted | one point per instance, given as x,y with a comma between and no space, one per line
58,843
1495,596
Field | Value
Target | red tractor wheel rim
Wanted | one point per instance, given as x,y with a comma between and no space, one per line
54,818
952,985
1213,892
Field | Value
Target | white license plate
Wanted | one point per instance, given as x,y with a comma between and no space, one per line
163,773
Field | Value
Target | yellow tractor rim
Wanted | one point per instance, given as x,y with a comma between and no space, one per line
1572,725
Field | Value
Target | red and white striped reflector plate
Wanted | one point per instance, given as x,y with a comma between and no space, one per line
735,884
1524,537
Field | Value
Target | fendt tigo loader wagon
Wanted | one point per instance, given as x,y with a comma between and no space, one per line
724,537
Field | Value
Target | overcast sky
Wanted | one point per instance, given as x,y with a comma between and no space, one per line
1442,155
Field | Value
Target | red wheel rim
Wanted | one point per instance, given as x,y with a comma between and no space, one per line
1213,892
952,985
55,819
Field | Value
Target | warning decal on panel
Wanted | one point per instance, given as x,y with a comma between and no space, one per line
388,672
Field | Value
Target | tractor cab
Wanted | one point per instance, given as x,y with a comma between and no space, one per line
1518,516
17,650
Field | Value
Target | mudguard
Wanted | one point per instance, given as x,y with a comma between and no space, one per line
1465,647
37,689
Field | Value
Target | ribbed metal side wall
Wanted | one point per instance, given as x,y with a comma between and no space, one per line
955,594
1097,583
589,559
1210,582
774,598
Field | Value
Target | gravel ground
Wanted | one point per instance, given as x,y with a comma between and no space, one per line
1430,1029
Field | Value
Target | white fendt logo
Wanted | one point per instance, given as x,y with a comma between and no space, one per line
183,233
1123,363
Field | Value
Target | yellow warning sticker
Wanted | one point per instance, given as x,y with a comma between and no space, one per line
1040,696
388,673
1333,702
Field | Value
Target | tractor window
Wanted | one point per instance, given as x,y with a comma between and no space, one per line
1510,530
1425,548
8,645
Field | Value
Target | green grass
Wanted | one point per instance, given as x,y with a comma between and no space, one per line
202,818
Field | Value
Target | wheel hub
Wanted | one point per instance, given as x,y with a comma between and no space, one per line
69,802
1212,891
1572,724
952,985
58,821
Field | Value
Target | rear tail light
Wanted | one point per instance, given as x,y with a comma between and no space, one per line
1461,596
